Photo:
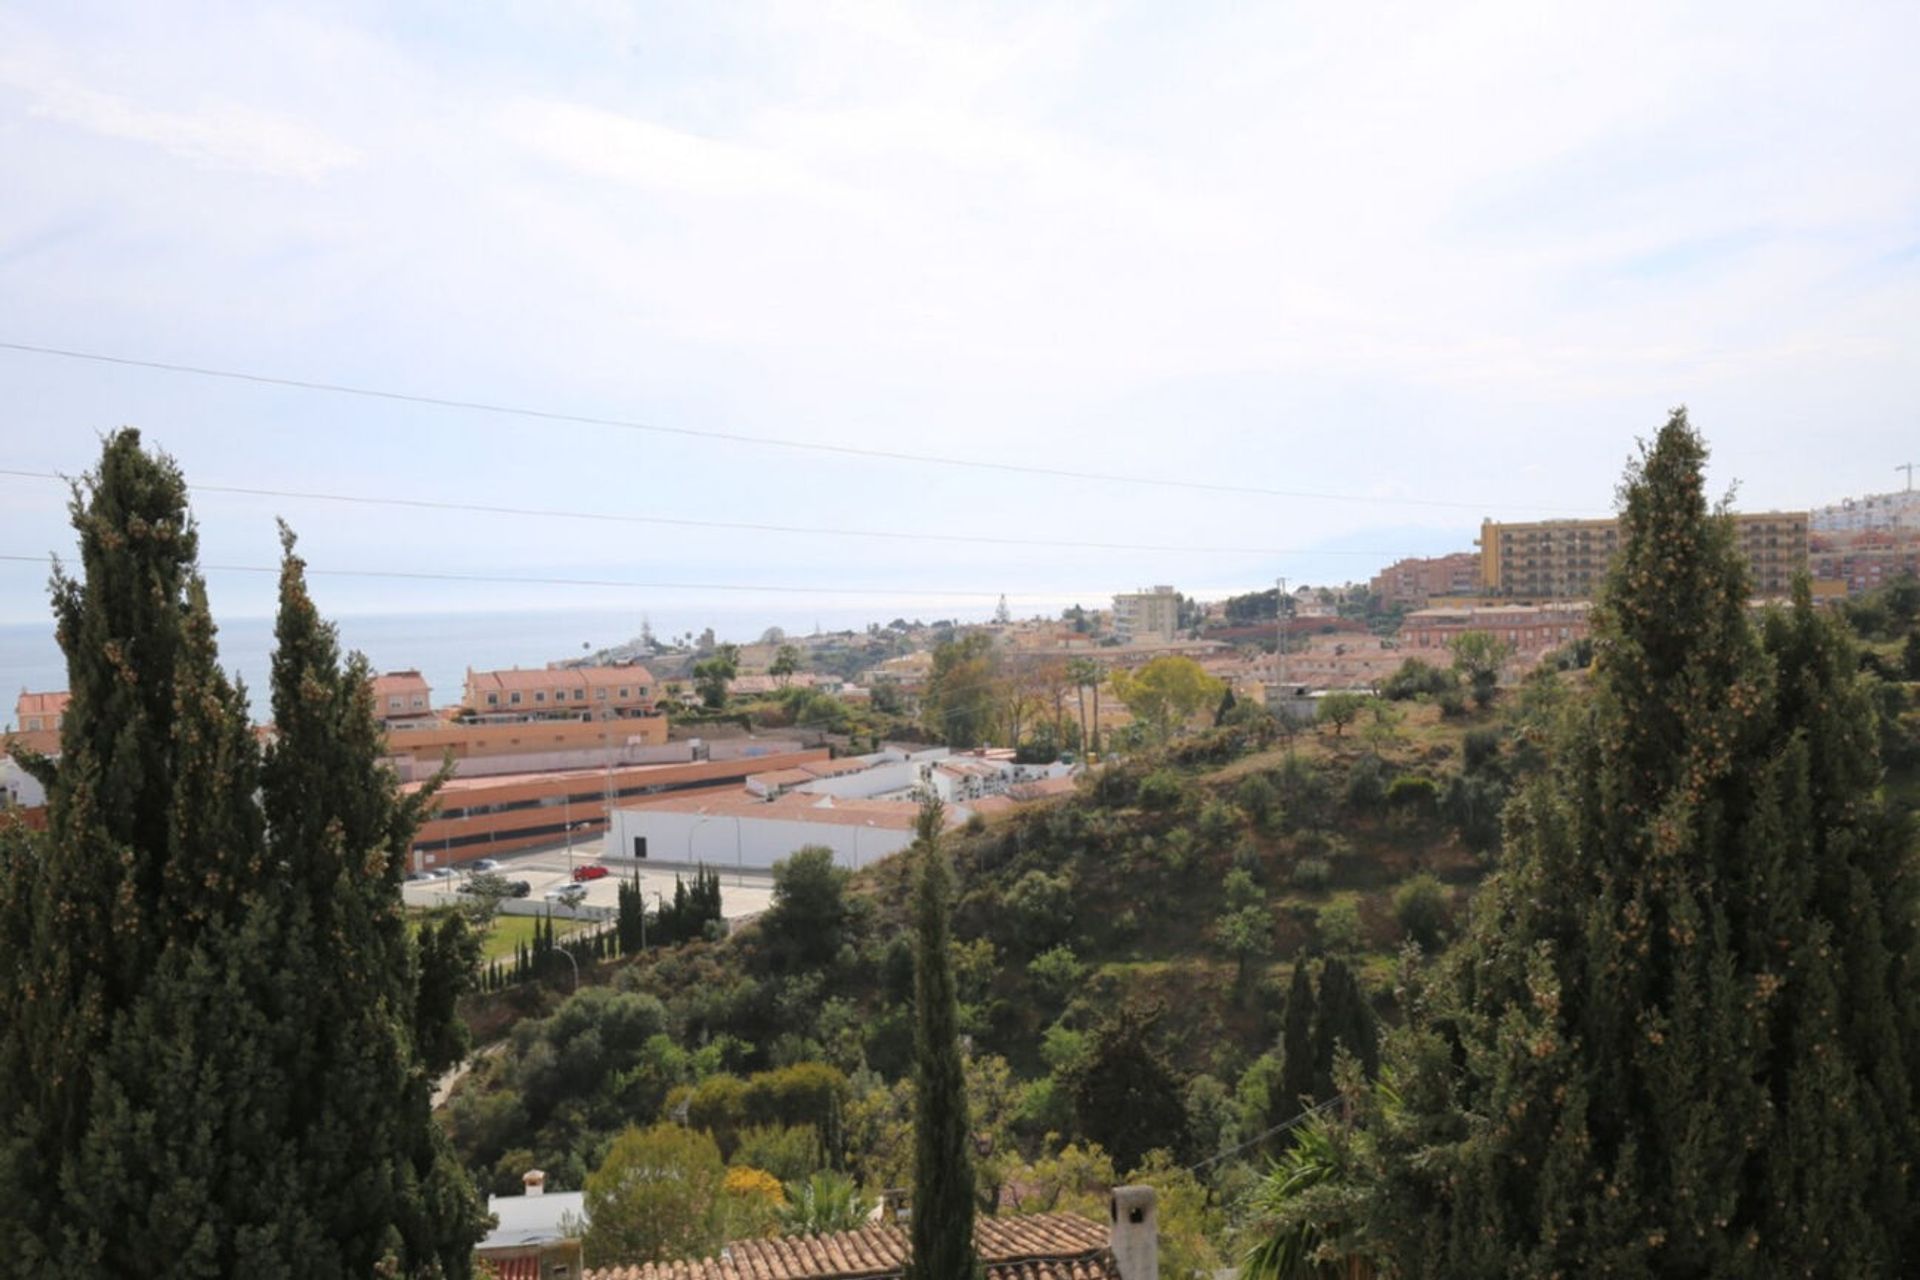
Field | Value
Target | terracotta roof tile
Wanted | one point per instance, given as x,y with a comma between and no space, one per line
1051,1246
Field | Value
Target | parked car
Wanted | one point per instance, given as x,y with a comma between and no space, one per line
567,893
415,877
483,866
519,888
592,871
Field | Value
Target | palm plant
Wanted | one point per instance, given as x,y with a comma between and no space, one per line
1305,1205
822,1202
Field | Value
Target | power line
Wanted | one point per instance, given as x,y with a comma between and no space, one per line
535,580
431,504
1262,1137
736,437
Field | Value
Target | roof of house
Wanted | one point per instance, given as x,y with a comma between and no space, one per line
782,778
792,806
516,679
41,704
1044,1246
399,684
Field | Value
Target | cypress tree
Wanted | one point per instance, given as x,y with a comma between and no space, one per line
364,1045
1297,1057
1676,1038
942,1223
1342,1020
206,1062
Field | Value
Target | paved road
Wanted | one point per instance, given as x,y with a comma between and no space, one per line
741,893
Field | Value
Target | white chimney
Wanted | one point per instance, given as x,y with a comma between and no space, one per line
1135,1239
533,1182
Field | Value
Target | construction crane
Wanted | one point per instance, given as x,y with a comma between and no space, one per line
1908,468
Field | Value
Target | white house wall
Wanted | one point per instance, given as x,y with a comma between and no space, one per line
723,841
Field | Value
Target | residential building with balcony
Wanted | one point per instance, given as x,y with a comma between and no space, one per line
1149,615
562,692
1877,512
402,698
1416,580
1568,559
1530,629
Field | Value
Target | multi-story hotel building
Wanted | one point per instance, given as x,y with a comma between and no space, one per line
1567,559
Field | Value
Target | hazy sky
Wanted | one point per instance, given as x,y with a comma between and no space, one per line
1460,254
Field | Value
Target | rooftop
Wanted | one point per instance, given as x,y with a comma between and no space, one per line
557,677
1044,1246
794,806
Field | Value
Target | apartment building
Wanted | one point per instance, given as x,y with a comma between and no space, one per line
39,712
1852,563
1416,580
1568,559
602,693
521,746
1149,615
1530,629
401,698
1875,512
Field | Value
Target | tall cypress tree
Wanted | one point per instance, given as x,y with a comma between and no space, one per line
1297,1058
942,1224
122,912
1676,1040
207,1040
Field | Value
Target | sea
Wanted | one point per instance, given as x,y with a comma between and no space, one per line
440,646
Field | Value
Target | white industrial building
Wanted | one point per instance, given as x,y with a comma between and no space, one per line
861,807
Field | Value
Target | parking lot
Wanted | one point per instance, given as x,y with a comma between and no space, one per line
741,893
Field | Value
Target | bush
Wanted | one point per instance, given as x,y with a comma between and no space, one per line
1162,789
1452,704
1258,799
785,1151
1057,972
1338,925
1217,821
1416,678
1420,905
1411,793
1480,749
1311,874
1366,785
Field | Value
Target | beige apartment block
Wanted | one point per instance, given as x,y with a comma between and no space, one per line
1567,559
1151,613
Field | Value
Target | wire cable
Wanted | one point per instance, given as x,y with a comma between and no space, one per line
549,513
737,437
404,575
1282,1127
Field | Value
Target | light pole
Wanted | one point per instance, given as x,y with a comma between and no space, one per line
702,821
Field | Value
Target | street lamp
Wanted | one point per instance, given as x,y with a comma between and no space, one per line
698,823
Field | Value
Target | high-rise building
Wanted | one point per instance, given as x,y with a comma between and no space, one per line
1149,614
1567,559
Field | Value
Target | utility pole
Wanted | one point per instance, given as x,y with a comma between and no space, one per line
1908,468
1279,635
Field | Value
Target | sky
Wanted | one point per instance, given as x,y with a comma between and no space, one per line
1428,262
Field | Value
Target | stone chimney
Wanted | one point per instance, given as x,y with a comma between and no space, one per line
534,1183
1135,1238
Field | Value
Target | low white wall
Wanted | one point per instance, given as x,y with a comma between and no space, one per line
723,841
17,786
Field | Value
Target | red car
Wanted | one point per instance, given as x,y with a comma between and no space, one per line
592,871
